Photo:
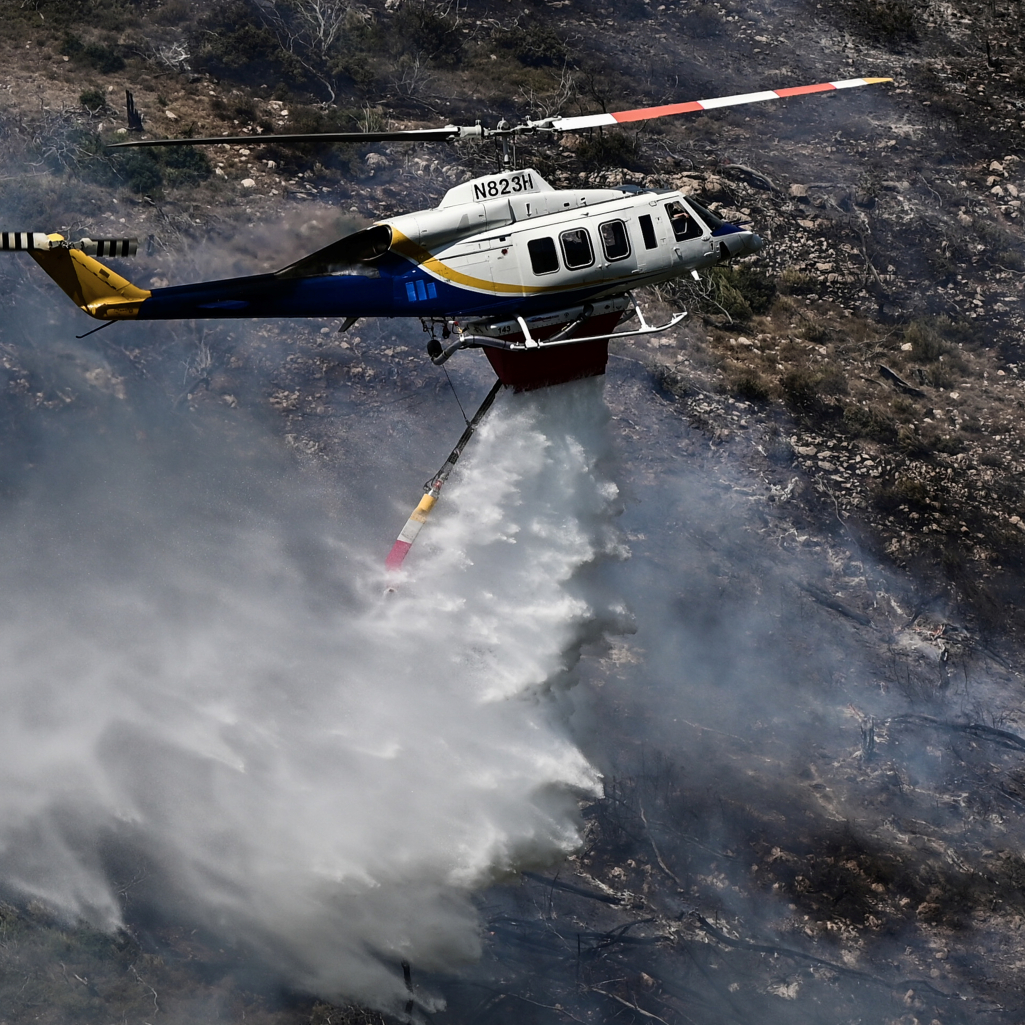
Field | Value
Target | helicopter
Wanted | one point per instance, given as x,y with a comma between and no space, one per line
540,278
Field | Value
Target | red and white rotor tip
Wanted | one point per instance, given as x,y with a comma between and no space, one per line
573,124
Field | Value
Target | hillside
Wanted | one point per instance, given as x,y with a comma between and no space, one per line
847,404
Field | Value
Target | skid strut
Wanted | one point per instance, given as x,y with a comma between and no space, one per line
433,487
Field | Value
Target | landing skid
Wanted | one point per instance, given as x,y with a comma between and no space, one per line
527,342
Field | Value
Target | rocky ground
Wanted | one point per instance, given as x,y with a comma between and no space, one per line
852,397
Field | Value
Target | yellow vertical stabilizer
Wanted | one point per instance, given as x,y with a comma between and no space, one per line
91,286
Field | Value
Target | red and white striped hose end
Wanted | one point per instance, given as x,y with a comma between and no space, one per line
409,532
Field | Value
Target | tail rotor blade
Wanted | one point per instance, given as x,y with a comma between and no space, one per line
108,246
23,241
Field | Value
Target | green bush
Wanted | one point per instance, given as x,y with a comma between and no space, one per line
804,387
750,386
357,69
927,344
71,44
230,40
742,291
93,100
184,165
144,171
105,59
138,170
814,331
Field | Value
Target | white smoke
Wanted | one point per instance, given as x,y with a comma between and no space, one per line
205,677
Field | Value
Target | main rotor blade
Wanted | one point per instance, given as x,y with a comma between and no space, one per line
445,134
576,124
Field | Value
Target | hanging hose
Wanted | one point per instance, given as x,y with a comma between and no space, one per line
433,487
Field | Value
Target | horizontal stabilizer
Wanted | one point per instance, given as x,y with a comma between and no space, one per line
38,241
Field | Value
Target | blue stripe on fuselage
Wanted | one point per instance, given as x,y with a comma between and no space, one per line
265,295
399,291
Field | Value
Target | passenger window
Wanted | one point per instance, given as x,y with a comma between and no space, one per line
614,240
648,232
684,226
543,257
576,248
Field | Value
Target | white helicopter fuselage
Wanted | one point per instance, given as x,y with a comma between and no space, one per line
512,240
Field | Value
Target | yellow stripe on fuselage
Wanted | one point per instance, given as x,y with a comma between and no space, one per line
427,261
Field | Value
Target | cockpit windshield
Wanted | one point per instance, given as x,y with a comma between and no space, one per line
711,219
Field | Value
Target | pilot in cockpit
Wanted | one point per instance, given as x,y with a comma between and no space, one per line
684,226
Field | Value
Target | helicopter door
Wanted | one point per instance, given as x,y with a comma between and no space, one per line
691,240
650,233
618,250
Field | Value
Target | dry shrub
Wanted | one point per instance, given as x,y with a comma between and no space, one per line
748,384
927,344
794,282
904,491
866,422
804,387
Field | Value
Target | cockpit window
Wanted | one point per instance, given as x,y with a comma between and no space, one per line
684,225
576,248
543,257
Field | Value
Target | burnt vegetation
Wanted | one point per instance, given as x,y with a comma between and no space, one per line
868,365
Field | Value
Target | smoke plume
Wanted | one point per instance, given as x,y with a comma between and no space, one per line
207,690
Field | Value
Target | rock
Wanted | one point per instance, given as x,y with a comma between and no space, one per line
248,183
798,191
375,160
716,188
170,115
